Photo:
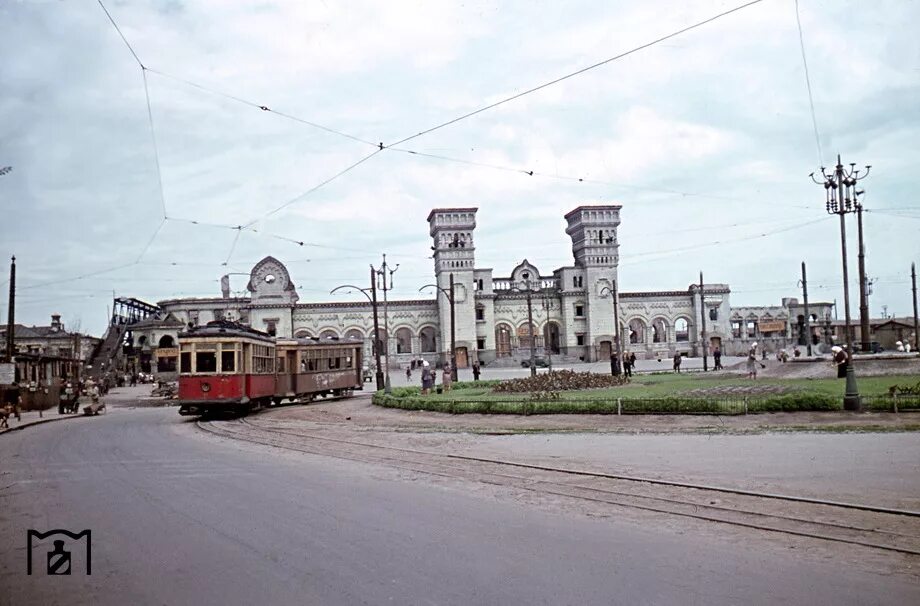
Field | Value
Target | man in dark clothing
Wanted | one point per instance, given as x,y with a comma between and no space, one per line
627,364
614,364
476,370
717,357
677,361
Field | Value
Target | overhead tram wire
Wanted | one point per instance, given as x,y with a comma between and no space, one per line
153,136
261,107
811,100
118,29
150,241
577,72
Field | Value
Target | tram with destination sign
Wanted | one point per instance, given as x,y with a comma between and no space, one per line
226,367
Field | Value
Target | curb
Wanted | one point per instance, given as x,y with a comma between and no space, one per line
39,422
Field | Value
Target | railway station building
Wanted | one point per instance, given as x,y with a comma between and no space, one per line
568,310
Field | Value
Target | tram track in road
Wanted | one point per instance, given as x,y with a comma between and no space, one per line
886,529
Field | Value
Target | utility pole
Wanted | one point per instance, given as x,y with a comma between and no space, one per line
379,373
616,323
533,351
11,314
913,279
383,272
453,316
863,283
372,297
839,186
703,325
807,316
547,342
453,332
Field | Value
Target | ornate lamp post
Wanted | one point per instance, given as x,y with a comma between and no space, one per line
373,300
616,319
528,291
453,324
840,188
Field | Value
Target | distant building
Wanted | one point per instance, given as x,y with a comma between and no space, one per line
571,307
51,340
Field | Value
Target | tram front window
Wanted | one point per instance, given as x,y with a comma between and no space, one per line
205,361
185,362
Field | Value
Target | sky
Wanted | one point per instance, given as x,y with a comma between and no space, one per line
706,139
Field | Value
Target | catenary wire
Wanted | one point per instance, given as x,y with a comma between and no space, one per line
577,72
811,101
118,29
262,107
153,137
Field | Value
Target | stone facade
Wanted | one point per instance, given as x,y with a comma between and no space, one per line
571,308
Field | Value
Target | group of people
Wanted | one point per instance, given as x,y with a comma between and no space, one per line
629,363
430,375
70,399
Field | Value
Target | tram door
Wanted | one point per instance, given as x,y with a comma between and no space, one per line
292,370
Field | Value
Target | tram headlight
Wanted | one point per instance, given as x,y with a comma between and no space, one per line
205,386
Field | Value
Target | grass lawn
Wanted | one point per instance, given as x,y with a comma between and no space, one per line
693,386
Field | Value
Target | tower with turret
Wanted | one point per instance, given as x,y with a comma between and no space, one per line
451,230
593,230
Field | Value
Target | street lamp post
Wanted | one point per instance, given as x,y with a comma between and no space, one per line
839,186
453,323
373,299
616,319
383,273
547,342
528,291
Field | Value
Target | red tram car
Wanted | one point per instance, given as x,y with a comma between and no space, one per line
226,367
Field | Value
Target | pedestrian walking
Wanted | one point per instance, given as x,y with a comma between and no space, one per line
476,370
717,358
427,378
408,373
752,361
840,361
677,361
627,364
446,377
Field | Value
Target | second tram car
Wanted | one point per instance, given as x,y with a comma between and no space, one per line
226,367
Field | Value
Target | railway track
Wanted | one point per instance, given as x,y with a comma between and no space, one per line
887,529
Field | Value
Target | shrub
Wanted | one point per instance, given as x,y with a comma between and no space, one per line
558,380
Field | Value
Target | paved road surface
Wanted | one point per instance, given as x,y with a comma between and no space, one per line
182,518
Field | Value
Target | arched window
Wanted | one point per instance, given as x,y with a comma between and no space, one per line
502,340
380,341
302,334
166,341
426,340
523,334
354,333
636,331
681,330
328,334
403,340
659,331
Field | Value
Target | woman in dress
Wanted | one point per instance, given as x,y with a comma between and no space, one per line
752,361
446,378
427,378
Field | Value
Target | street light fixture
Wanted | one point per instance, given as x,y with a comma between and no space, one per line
616,318
373,300
840,188
529,292
453,324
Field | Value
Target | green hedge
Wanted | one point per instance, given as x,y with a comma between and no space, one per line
668,405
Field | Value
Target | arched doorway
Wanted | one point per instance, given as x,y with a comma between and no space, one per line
403,340
523,335
551,337
502,341
636,331
167,341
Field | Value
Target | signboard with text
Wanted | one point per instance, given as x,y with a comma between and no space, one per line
7,374
773,326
